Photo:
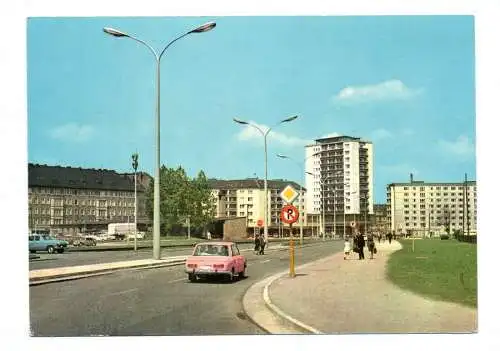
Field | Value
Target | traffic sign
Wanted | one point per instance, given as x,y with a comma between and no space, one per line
289,194
260,223
289,214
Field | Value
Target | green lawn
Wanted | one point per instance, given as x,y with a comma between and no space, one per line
439,269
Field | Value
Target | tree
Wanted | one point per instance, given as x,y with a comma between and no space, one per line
180,198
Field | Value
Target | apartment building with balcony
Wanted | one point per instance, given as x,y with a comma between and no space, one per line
69,200
246,198
339,176
425,209
380,221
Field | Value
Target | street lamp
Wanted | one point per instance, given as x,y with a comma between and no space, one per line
301,205
135,164
322,183
264,135
156,208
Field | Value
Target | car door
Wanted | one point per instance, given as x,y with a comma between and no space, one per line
37,243
239,260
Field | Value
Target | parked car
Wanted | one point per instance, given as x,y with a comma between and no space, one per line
139,235
43,242
221,258
87,241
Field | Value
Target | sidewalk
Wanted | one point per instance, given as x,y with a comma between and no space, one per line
353,296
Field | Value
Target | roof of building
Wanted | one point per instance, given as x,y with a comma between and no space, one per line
250,183
422,183
83,178
337,139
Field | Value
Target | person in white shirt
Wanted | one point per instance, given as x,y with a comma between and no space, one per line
347,248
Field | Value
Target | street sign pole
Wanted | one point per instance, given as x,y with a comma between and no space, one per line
292,255
290,214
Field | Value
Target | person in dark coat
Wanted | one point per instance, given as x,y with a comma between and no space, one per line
360,243
371,246
262,244
389,236
257,244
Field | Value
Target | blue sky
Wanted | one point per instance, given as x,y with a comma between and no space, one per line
405,83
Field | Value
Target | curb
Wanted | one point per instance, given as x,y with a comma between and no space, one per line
73,276
297,326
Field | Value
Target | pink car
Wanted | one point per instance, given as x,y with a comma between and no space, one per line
216,258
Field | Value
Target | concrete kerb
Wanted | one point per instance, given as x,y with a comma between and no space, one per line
267,323
87,274
275,309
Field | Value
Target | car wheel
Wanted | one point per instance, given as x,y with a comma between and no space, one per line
232,276
60,251
241,275
50,249
32,251
192,277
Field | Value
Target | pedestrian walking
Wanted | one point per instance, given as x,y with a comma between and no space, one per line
209,235
262,245
389,236
360,243
371,246
347,248
379,236
257,244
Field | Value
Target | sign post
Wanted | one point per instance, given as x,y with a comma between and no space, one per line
292,255
290,214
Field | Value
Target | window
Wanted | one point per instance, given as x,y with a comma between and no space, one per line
250,199
236,252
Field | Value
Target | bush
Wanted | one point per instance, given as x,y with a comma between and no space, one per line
444,237
472,239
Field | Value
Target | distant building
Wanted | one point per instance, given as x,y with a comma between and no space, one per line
425,209
381,219
68,200
246,198
340,176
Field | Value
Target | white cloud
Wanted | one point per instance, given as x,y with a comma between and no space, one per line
250,133
388,90
379,134
72,132
407,132
462,146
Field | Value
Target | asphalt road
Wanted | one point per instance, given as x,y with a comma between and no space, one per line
158,301
78,258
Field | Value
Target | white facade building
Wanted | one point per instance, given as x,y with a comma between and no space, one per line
339,175
425,209
246,198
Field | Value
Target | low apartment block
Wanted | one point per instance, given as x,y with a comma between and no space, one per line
426,209
68,200
246,198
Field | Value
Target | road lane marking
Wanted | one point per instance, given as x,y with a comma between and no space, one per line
121,292
177,280
265,261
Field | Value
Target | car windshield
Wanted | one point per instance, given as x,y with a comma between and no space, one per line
48,237
211,250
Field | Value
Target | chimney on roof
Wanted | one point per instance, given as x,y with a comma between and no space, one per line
411,177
